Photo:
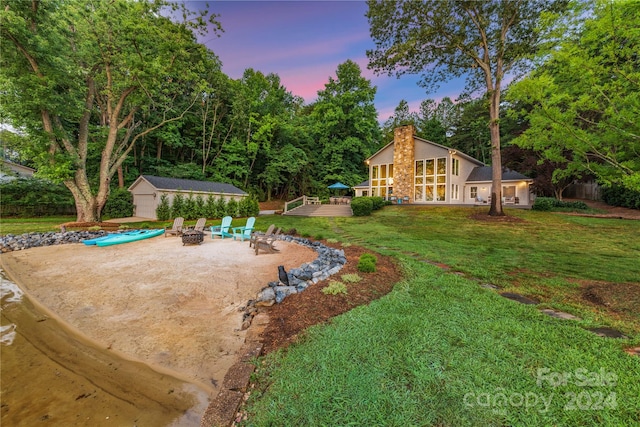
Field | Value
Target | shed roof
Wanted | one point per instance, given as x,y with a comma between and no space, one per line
484,173
176,184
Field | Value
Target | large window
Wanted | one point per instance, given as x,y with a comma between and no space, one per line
382,180
430,182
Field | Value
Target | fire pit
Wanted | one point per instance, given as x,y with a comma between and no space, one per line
192,237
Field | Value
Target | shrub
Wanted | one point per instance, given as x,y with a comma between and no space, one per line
248,206
366,266
550,203
200,210
367,263
232,208
178,206
369,256
163,211
34,197
362,206
620,196
543,204
351,278
221,208
119,204
210,207
334,288
378,202
190,208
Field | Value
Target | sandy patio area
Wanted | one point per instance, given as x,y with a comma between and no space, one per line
174,307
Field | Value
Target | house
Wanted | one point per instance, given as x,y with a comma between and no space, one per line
10,171
147,190
414,170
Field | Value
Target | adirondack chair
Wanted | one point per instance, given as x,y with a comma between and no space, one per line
266,242
222,230
244,232
256,234
176,228
199,225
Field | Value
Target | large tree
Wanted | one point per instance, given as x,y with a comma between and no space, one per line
585,100
346,121
87,79
482,40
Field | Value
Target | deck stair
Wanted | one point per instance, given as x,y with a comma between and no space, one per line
321,210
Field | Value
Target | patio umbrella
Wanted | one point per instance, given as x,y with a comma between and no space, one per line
338,186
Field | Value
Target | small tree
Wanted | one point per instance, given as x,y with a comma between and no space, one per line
163,211
210,210
232,208
178,206
190,208
221,207
248,206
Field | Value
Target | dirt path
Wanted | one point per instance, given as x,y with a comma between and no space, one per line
610,211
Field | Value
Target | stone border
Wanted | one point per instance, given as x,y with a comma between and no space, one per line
329,262
12,242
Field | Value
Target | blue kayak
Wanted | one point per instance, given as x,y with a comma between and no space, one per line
92,242
119,238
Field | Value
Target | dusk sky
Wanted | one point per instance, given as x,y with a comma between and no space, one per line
304,42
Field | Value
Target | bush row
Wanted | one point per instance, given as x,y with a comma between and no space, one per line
197,207
27,197
620,196
363,206
550,203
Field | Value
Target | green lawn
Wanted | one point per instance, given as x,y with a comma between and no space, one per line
441,350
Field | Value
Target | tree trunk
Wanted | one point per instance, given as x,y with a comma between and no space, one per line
120,177
496,157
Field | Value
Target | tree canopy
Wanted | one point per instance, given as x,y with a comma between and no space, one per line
585,100
87,80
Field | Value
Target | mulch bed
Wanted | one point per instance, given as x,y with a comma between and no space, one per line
310,307
87,225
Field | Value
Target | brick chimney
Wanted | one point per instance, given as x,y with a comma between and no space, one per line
403,161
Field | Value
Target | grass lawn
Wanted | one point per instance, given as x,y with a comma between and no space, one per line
441,350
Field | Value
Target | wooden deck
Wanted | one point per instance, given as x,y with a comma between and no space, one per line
321,210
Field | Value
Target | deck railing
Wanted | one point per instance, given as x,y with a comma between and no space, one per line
305,200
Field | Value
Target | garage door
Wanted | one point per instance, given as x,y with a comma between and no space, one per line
145,206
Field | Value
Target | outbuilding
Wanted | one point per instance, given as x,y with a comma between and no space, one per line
148,189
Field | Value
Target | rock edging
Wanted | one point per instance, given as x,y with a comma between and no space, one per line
12,242
329,262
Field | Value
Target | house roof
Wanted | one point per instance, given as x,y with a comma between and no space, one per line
426,141
484,174
176,184
363,184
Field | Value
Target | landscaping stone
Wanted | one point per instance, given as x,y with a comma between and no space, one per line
519,298
608,332
329,262
559,314
12,242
